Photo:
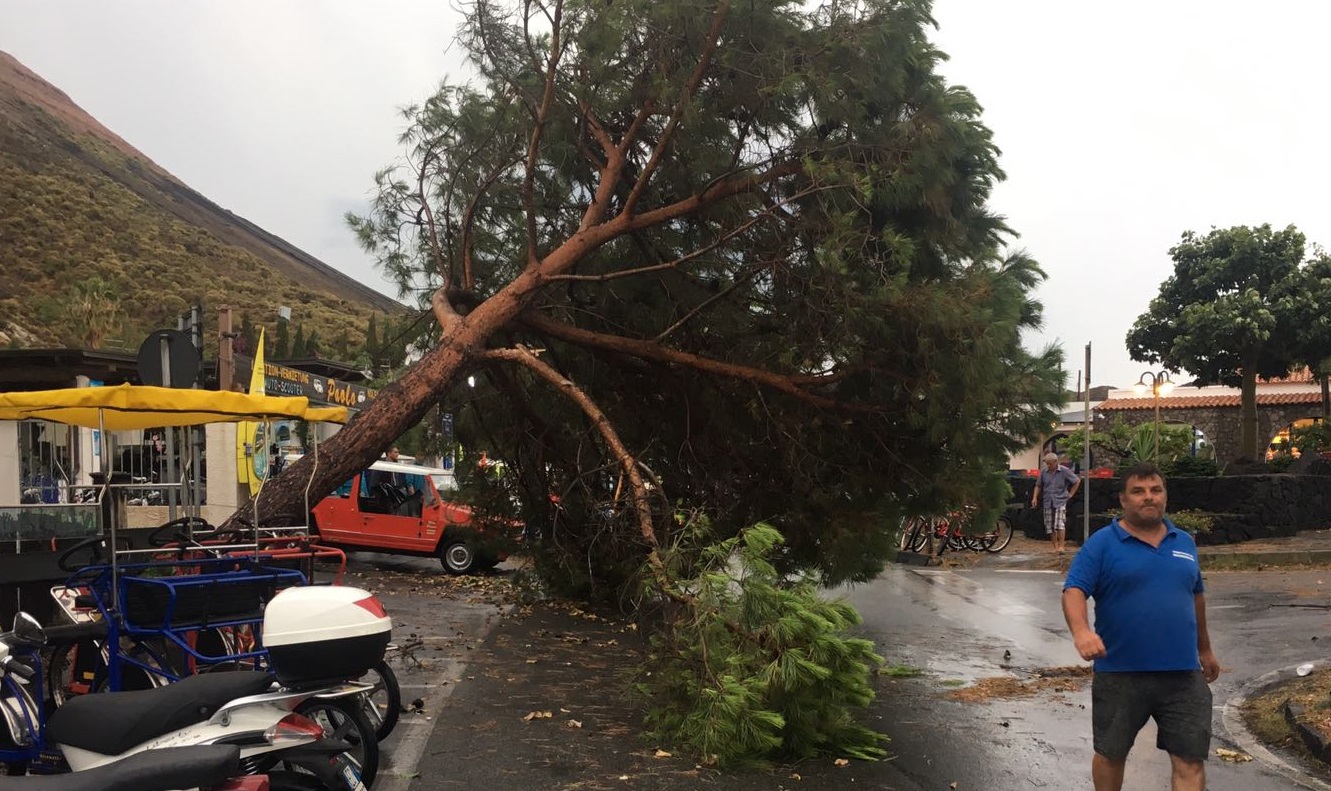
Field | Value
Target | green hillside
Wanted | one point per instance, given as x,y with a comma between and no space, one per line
78,205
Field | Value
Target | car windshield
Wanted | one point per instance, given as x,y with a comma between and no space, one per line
443,482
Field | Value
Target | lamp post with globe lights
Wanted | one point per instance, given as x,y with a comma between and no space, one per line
1159,384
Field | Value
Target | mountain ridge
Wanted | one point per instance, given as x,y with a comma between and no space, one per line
78,201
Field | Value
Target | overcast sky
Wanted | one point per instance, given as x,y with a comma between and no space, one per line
1121,126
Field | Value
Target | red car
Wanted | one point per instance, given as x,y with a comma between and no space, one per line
400,508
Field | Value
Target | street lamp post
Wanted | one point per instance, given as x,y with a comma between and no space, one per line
1159,384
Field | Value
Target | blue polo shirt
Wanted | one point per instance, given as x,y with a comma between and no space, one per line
1145,606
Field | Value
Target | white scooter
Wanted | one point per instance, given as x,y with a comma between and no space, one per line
246,708
209,767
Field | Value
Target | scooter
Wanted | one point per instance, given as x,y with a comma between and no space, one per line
207,767
246,709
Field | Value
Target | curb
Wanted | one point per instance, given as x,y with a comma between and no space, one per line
1311,738
1222,560
1236,732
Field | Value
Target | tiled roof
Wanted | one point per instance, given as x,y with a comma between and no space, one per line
1206,401
1301,376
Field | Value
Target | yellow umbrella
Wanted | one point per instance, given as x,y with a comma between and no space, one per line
138,406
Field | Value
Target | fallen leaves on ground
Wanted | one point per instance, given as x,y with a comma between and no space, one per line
1232,756
1046,679
538,715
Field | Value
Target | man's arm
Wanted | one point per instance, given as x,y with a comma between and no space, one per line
1210,665
1088,643
1076,484
1035,495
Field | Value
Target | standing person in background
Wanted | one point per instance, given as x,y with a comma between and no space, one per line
1055,486
1151,647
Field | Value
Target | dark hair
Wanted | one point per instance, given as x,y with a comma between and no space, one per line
1143,469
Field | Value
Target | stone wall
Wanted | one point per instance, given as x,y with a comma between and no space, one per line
1244,507
1221,425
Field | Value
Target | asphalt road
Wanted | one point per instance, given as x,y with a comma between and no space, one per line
438,621
957,626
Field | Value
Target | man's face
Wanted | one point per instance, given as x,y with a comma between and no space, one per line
392,454
1143,501
1050,464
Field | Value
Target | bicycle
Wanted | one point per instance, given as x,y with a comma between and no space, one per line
178,648
948,531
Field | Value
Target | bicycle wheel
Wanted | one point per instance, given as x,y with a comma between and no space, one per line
1002,534
919,534
71,669
903,533
344,718
383,704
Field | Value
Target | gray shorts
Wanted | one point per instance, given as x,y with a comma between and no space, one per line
1055,518
1180,702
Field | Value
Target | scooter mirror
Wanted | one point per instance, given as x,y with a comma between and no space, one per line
28,629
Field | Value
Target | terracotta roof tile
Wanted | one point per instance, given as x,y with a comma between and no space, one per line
1206,401
1301,376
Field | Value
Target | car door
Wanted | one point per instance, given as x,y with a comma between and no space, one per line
437,514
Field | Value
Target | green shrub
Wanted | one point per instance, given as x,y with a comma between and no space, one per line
1191,466
1311,437
755,666
1280,462
1192,521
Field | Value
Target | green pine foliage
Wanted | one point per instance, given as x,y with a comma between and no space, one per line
757,666
282,343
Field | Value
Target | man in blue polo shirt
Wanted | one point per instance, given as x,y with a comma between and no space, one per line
1152,652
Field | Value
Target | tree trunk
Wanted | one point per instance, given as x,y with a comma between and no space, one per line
1248,405
398,407
1326,394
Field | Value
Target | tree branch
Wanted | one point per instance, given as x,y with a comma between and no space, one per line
432,232
720,240
626,461
792,386
468,221
699,71
542,116
614,163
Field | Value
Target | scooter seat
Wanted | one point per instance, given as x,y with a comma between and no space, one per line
156,770
109,723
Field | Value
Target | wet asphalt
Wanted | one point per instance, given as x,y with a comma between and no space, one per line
944,629
960,626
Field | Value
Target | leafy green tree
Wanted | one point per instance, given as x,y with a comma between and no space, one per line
1117,443
282,344
1313,437
372,337
744,244
93,308
299,346
1303,299
1226,314
249,334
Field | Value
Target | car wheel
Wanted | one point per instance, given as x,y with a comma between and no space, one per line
458,557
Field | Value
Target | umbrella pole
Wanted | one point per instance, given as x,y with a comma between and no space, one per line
108,469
